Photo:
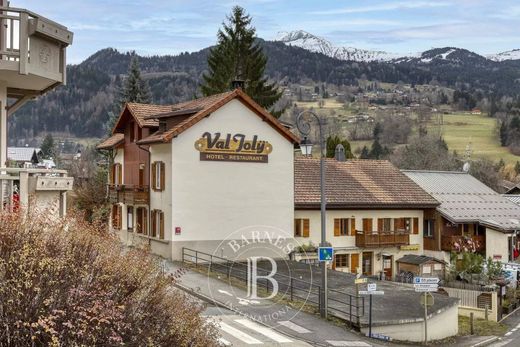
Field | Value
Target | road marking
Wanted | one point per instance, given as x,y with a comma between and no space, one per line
515,329
518,325
224,292
263,330
294,327
224,341
501,343
348,343
508,333
250,340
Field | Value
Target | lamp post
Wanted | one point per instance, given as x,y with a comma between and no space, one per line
304,127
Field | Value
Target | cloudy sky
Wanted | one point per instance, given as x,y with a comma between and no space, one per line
174,26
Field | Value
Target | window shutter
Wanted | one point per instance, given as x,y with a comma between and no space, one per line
353,226
145,221
396,223
297,227
337,226
153,180
120,174
416,225
161,223
154,223
113,174
163,176
380,224
306,227
119,216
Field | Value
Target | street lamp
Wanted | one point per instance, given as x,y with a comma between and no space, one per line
304,127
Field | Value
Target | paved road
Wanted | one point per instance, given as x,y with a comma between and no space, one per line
512,336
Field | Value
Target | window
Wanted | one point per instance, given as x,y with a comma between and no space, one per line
142,220
406,225
429,227
116,216
384,224
130,218
116,174
301,227
157,224
342,227
158,175
341,260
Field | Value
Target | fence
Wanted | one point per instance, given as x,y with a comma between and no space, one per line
483,303
340,304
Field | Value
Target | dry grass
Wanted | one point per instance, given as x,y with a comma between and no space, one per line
482,327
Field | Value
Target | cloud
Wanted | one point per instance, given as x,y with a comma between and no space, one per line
385,7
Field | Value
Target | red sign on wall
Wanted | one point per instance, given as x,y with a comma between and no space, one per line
177,230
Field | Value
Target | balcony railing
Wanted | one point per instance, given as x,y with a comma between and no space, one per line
129,194
455,243
382,239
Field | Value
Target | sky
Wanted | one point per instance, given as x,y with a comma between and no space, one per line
162,27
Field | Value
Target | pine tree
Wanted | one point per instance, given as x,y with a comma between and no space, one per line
111,122
48,147
365,153
134,88
238,57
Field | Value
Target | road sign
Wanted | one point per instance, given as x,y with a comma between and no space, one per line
372,287
379,336
360,280
375,292
426,289
427,300
426,285
425,280
325,253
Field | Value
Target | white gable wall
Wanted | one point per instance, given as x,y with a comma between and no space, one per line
212,199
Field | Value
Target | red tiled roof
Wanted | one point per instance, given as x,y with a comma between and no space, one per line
112,141
205,106
142,111
357,184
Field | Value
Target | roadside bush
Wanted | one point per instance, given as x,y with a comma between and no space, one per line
67,283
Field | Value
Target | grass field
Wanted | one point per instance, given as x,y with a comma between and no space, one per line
459,130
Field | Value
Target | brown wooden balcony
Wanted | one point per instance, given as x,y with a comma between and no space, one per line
382,239
129,194
449,242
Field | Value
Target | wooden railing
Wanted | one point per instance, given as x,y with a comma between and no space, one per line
381,239
431,244
129,194
448,243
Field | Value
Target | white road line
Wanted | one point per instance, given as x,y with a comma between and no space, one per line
348,343
515,329
224,341
263,330
294,327
508,333
501,343
224,292
518,326
250,340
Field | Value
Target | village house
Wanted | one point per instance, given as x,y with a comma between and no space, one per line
471,216
375,213
24,156
196,173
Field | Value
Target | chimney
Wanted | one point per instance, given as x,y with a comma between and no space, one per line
339,153
237,84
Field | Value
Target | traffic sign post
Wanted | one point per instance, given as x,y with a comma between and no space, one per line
371,291
426,285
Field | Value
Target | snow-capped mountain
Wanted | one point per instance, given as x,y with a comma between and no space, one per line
507,55
446,55
318,44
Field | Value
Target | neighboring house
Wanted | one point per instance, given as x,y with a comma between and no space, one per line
513,198
374,213
470,214
199,174
514,190
24,156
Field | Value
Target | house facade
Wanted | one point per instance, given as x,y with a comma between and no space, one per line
374,214
204,174
471,216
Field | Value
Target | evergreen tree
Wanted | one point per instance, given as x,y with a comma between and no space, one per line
48,147
365,153
111,122
503,134
238,57
134,88
333,142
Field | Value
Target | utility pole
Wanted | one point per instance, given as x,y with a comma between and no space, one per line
425,317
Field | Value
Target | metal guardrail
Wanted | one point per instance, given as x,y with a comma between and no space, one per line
352,308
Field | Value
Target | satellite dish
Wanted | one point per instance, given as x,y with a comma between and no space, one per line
466,167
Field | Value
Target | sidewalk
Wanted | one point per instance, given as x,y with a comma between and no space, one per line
297,324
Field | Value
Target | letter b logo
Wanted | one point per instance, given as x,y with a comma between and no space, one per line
253,277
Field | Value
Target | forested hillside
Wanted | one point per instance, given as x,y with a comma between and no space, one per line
81,107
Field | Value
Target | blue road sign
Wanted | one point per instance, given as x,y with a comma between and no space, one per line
325,253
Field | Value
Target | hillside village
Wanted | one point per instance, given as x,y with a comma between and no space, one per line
231,197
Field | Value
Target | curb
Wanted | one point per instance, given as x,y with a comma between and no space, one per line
514,311
485,342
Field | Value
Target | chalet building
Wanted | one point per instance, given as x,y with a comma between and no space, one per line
196,173
470,215
375,213
24,156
